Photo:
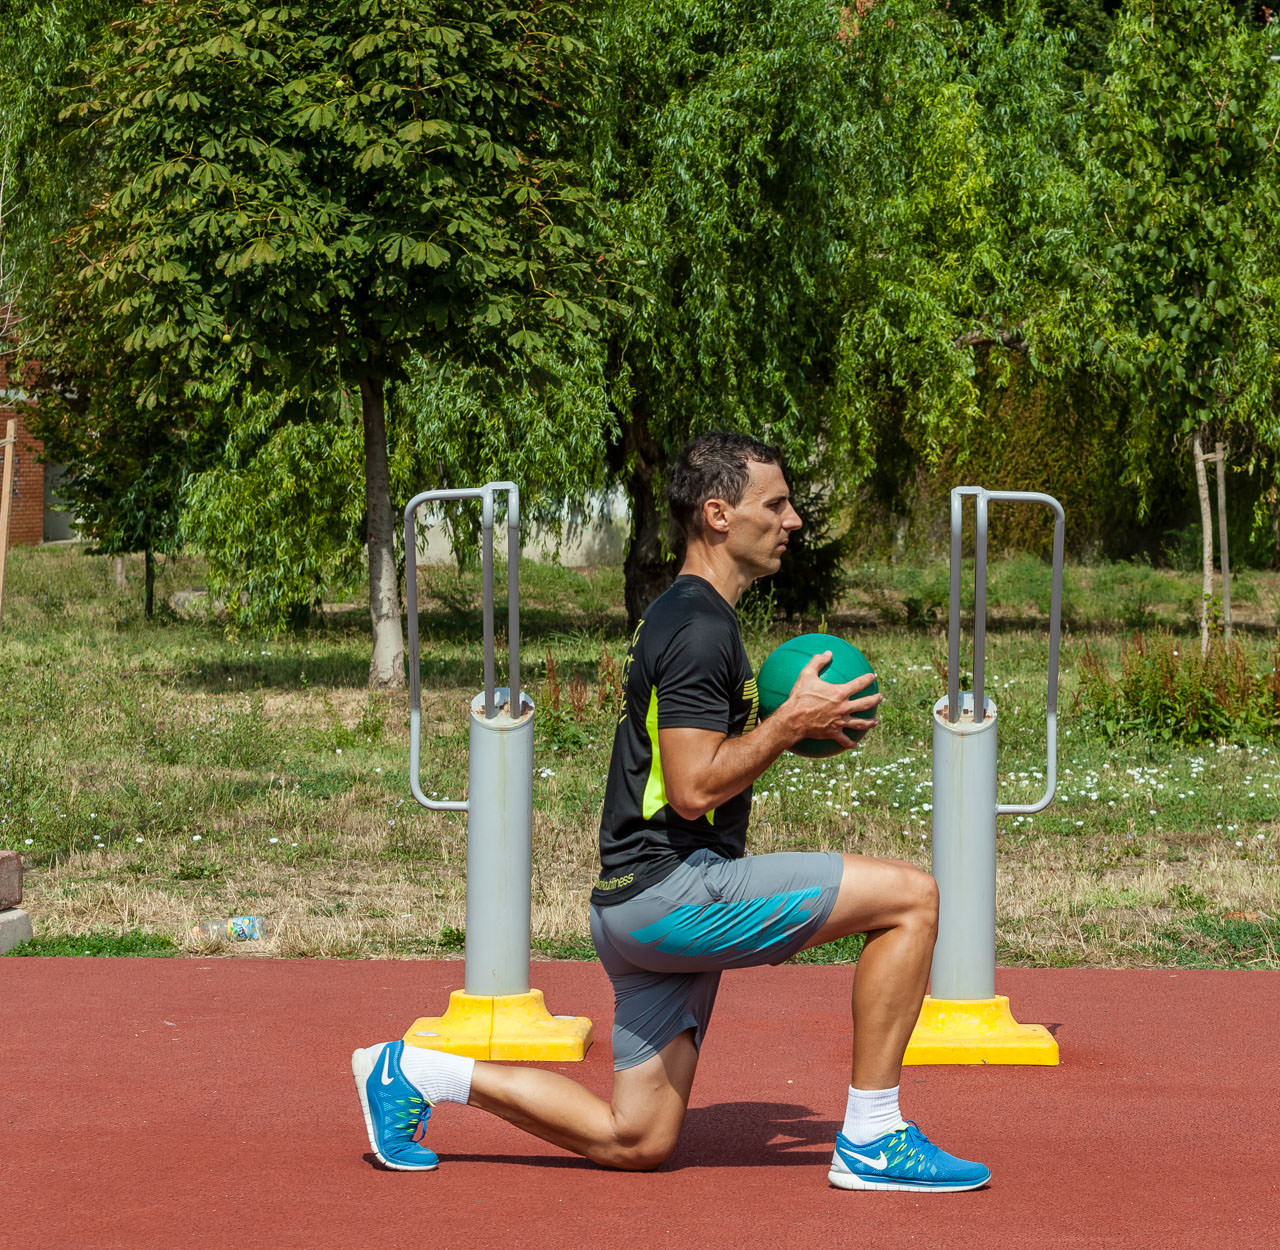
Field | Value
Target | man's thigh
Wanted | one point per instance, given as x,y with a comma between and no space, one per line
715,913
877,894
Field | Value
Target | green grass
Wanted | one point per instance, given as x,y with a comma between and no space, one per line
154,774
132,943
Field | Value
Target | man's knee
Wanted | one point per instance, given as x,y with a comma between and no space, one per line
647,1147
928,888
645,1155
918,892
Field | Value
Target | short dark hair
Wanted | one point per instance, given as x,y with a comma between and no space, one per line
713,466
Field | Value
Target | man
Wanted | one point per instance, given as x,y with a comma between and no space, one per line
678,900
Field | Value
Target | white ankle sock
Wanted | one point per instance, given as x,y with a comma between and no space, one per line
870,1113
438,1076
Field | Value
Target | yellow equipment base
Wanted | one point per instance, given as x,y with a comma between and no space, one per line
980,1030
506,1026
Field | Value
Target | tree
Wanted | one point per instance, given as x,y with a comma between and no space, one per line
304,198
40,43
124,467
722,153
279,515
834,218
1184,141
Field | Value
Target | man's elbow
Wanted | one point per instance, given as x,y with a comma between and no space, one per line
689,804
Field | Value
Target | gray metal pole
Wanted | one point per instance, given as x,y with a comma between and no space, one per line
953,618
499,801
964,852
980,607
486,598
411,611
965,771
499,849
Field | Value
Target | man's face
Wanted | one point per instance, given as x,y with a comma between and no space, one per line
762,522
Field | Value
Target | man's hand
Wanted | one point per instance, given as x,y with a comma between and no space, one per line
702,768
821,709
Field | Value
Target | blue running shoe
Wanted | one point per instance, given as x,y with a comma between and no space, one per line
395,1112
903,1159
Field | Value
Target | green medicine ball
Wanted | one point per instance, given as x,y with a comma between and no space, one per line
779,672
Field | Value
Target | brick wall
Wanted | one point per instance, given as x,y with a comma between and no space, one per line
26,515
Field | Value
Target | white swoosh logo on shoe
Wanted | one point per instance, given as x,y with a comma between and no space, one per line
879,1164
386,1068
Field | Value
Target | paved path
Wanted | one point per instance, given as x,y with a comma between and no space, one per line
208,1103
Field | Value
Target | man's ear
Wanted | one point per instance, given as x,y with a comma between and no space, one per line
715,516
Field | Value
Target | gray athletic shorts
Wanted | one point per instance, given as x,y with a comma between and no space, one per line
665,948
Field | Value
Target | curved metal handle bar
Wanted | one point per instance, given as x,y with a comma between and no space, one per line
485,494
981,499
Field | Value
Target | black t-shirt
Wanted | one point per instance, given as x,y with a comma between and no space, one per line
686,669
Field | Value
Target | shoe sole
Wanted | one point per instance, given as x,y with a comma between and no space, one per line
362,1069
851,1180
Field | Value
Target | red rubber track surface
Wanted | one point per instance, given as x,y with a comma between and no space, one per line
203,1103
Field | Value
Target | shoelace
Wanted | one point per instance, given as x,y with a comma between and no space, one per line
411,1113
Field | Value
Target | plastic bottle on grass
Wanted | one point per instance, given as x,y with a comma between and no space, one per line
234,929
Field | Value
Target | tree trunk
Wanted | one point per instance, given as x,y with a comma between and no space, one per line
634,459
149,579
1224,561
118,572
647,570
386,668
1206,539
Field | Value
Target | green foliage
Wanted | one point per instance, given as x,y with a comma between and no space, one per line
1168,690
301,198
1183,141
845,950
40,43
332,188
546,432
124,464
1236,940
826,212
279,516
124,467
130,944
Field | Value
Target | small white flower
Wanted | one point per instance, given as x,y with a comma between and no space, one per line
195,837
138,839
273,841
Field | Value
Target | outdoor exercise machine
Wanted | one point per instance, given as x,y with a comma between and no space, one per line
495,1015
964,1020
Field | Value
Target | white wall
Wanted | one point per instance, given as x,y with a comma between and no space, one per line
602,542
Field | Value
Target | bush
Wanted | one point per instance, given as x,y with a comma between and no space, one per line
1167,689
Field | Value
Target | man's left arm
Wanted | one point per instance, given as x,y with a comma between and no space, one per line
703,768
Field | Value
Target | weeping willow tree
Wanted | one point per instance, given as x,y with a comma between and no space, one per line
829,214
1184,139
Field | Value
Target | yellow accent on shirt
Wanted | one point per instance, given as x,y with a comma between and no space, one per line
655,789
